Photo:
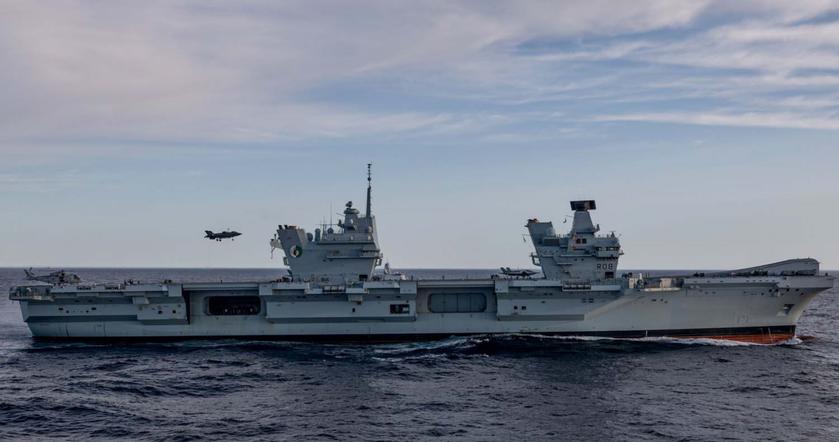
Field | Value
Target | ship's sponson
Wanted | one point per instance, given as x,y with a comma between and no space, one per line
757,308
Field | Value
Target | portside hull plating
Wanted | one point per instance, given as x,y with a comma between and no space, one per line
760,310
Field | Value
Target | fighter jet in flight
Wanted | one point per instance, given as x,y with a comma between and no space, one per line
221,235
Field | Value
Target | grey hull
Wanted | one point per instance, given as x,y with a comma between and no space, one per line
398,310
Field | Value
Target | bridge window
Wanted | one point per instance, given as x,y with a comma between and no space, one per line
457,303
233,305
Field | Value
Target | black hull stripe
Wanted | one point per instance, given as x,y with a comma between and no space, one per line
676,333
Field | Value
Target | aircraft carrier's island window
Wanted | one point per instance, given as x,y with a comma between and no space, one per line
233,305
457,303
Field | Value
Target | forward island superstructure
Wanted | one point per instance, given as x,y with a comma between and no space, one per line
333,294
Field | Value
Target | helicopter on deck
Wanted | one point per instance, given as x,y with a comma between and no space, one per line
58,277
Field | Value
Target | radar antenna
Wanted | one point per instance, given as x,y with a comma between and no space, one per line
369,188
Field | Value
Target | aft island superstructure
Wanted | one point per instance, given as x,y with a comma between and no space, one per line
333,294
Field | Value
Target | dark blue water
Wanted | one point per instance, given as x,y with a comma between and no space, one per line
481,388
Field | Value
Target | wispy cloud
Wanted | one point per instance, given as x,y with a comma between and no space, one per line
769,120
249,72
39,183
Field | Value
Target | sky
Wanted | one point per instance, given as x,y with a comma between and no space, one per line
707,131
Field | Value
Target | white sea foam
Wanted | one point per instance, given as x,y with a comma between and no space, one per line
663,340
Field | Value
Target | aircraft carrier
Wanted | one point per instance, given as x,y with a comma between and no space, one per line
331,293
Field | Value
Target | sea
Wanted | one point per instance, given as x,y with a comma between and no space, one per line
482,388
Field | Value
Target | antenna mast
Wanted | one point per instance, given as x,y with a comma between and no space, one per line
369,188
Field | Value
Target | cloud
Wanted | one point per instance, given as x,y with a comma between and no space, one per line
757,46
769,120
41,183
262,72
206,70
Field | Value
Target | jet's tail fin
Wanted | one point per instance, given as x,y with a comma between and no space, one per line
29,273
